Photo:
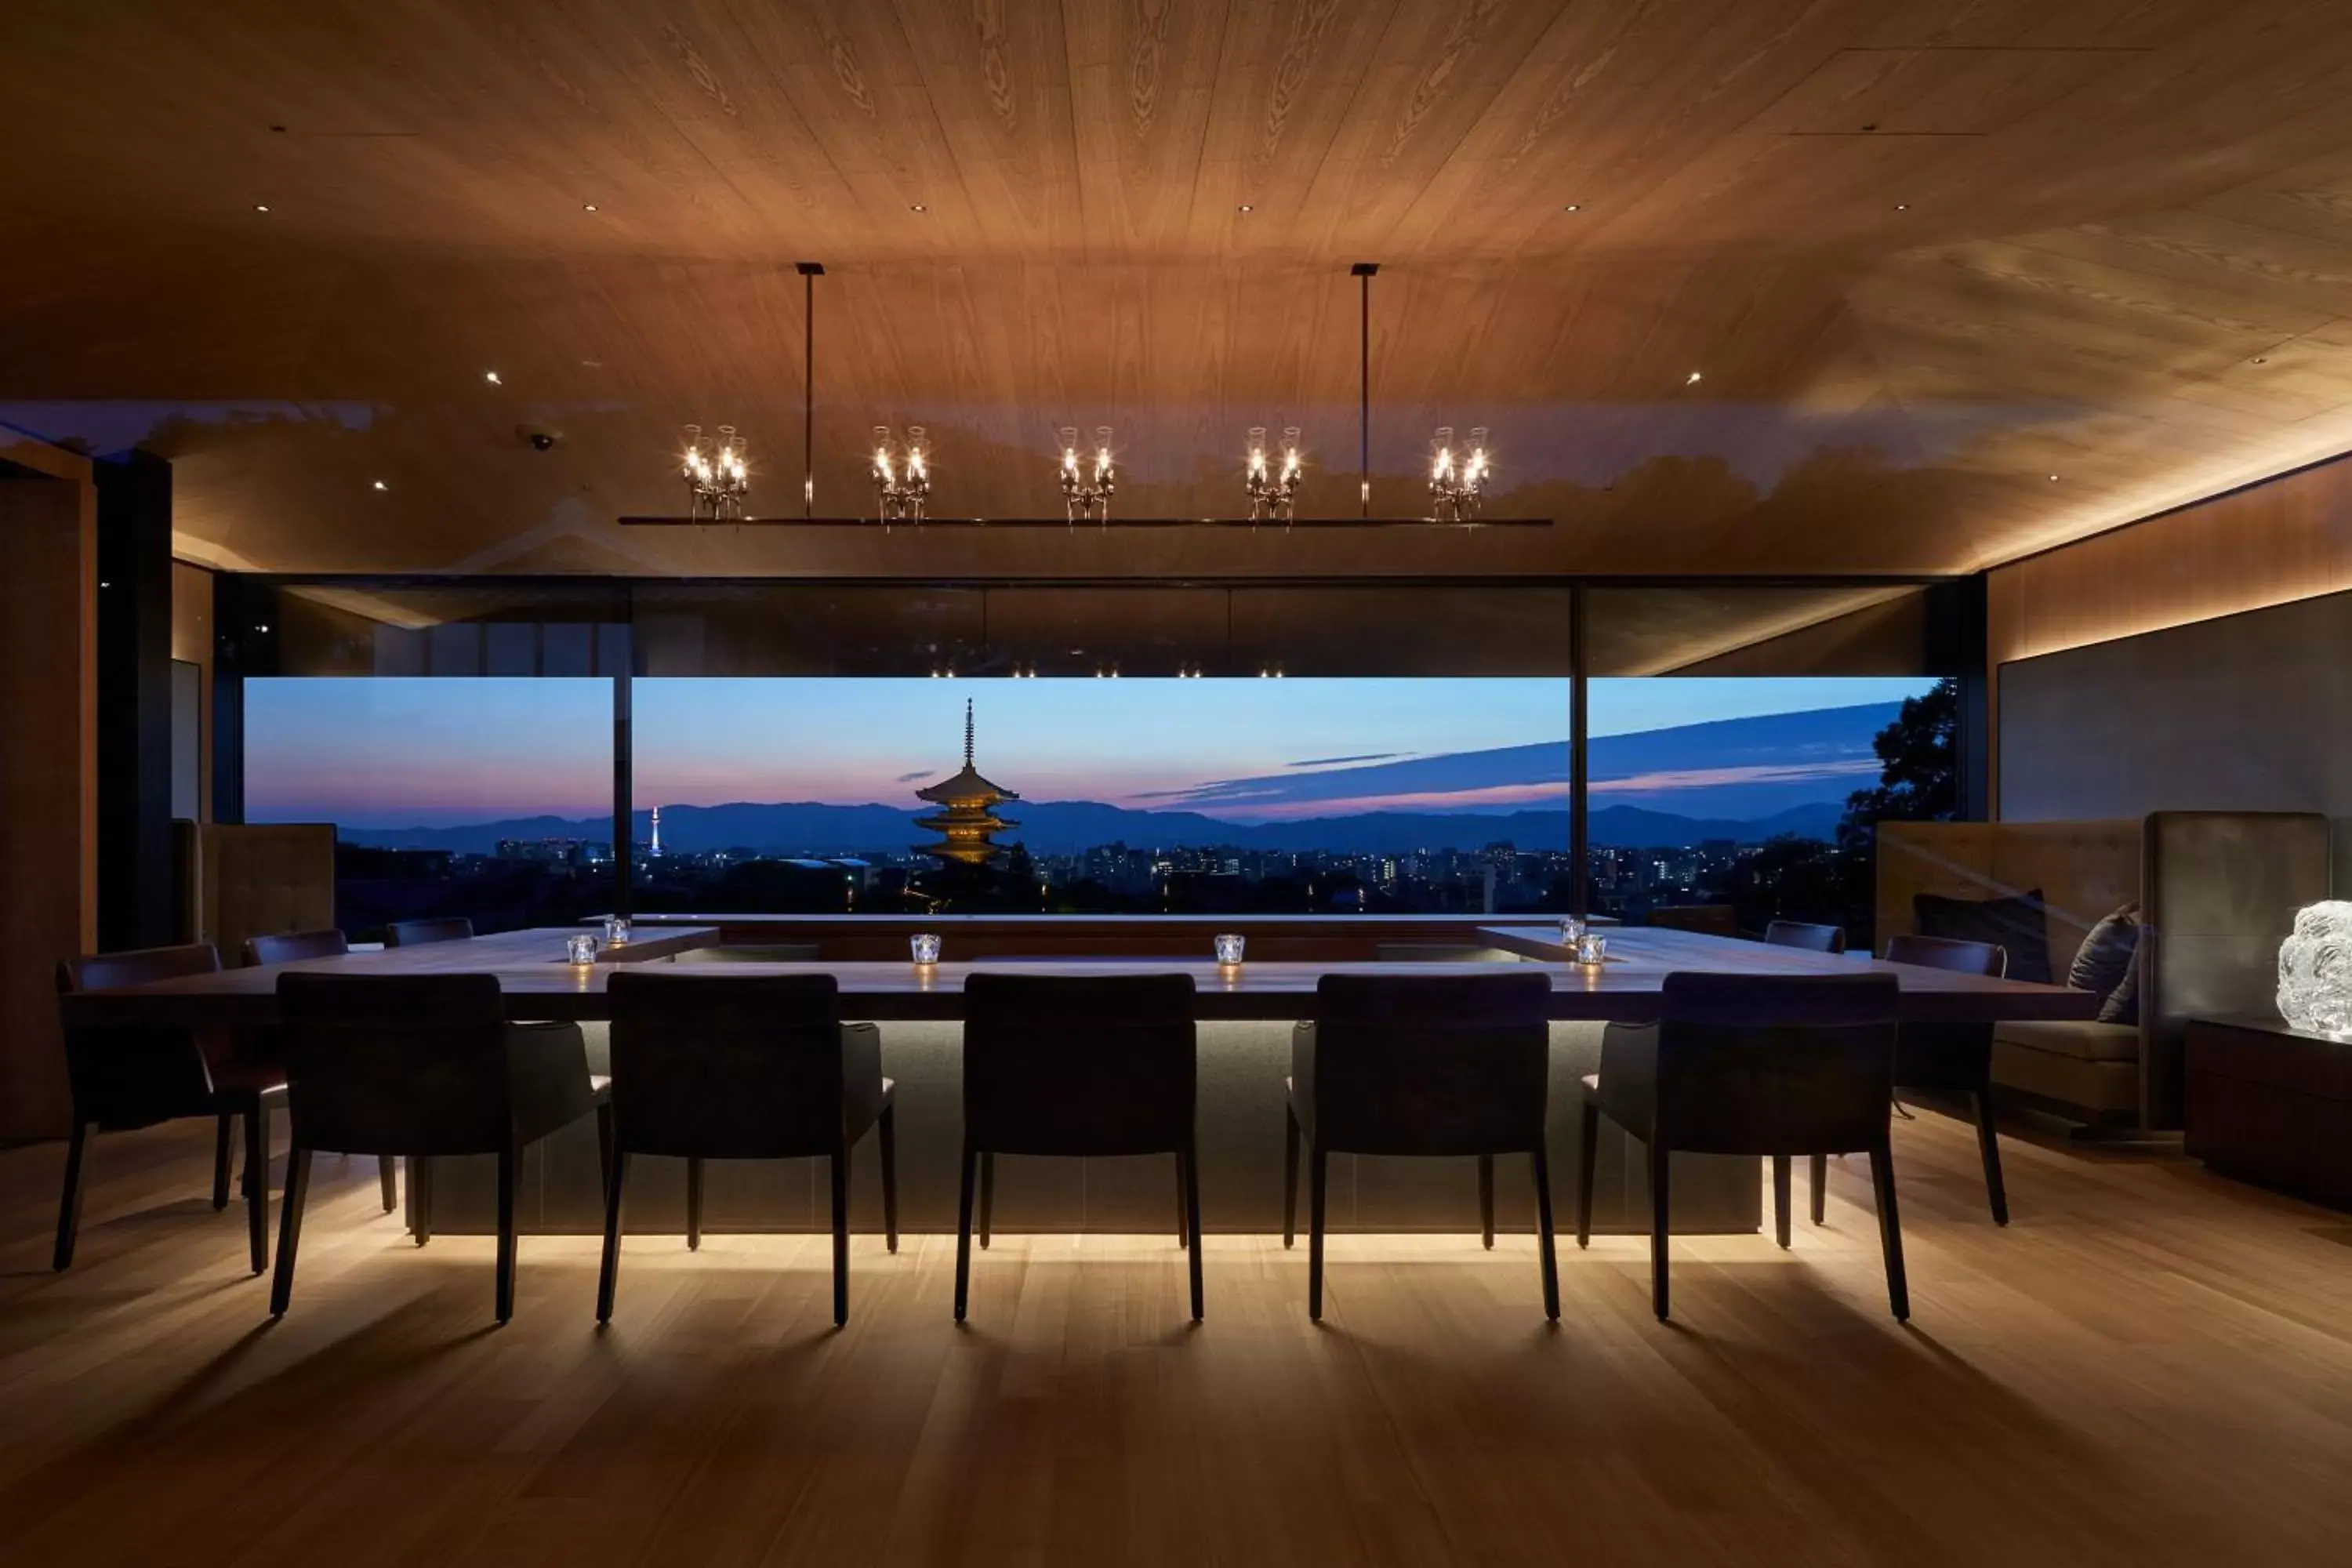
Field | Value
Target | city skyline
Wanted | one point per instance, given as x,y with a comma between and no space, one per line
425,752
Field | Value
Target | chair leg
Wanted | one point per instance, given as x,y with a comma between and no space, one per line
987,1196
420,1195
1781,1197
1821,1184
222,1138
1587,1154
1890,1231
608,1276
1989,1145
387,1168
1316,1169
693,1204
1289,1176
70,1202
1189,1173
256,1192
889,1129
1486,1200
840,1163
1660,1158
508,1158
964,1232
289,1228
1183,1234
1540,1160
605,1139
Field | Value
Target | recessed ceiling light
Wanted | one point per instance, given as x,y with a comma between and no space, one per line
379,484
260,207
918,207
1244,207
1903,206
1573,208
492,377
2053,479
1692,379
2261,359
587,206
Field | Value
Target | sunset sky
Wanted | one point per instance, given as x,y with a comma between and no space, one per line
431,752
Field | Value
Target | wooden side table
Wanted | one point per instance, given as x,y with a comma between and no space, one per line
2272,1105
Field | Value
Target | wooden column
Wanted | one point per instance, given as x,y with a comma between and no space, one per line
48,765
134,701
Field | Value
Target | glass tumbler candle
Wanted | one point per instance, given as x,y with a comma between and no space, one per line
581,948
616,930
1229,948
924,947
1571,932
1592,948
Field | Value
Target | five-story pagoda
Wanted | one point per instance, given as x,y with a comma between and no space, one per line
967,819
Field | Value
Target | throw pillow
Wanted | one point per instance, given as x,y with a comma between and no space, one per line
2105,955
2019,924
2121,1006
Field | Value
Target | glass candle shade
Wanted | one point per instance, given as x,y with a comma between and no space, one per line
1592,948
924,947
1229,948
581,948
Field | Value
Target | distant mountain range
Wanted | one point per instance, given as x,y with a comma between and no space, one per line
1064,827
1745,779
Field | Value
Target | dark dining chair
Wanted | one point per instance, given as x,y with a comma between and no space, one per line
1078,1066
751,1068
421,933
1742,1064
128,1075
261,1044
1948,1059
1419,1064
423,1065
1812,938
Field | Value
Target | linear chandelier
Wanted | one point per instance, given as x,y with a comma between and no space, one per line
719,478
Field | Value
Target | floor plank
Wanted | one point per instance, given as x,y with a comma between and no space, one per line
2152,1366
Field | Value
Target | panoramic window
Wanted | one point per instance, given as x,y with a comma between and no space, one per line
1102,795
490,797
1754,796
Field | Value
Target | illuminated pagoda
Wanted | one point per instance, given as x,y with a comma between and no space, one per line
967,819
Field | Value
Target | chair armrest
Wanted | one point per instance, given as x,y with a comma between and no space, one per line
1629,1076
547,1078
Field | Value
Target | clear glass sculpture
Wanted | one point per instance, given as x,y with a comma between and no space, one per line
2314,966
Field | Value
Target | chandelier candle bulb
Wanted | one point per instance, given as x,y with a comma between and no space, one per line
717,481
1085,499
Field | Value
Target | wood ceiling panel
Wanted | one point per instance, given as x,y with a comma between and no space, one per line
2123,256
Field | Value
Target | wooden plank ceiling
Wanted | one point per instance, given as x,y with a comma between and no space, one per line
1924,255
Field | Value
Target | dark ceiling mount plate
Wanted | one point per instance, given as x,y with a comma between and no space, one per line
1262,524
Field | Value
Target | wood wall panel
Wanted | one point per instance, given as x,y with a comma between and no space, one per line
2269,543
49,766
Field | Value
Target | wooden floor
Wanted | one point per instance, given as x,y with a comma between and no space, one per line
2150,1365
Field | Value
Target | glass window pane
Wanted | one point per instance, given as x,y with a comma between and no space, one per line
489,798
1103,794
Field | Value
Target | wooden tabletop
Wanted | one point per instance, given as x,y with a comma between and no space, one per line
532,970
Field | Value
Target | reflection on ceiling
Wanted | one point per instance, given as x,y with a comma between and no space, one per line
1799,285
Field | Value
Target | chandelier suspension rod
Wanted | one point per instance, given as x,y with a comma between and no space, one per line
810,272
1364,270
